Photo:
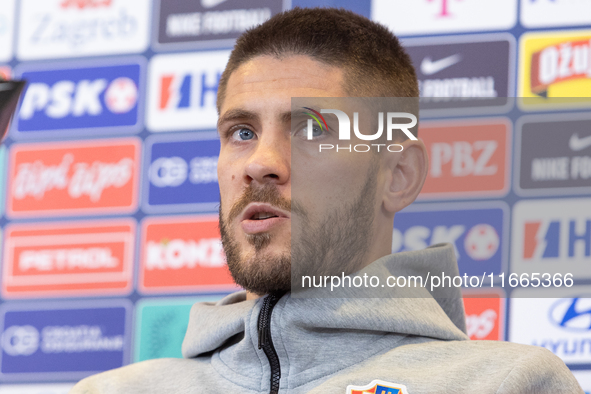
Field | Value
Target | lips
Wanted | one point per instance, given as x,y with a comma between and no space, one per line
261,217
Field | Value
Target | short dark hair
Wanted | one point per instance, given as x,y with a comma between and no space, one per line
374,62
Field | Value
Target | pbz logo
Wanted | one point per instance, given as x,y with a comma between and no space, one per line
477,235
82,98
542,239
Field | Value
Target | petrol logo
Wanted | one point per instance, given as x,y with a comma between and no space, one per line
68,259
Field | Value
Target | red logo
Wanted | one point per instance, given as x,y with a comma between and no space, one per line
68,259
444,8
183,254
467,158
73,177
485,315
558,63
81,4
121,95
5,72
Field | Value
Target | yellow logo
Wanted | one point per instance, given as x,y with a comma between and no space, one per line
554,65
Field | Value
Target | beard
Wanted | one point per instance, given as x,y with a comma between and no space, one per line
261,272
337,243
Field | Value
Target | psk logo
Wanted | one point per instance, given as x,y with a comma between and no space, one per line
121,95
315,115
378,387
573,314
482,242
80,98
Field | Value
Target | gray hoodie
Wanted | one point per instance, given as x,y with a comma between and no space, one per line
341,345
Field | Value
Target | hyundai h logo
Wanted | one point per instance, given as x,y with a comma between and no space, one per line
573,314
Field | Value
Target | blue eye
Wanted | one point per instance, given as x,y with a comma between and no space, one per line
316,131
302,131
244,134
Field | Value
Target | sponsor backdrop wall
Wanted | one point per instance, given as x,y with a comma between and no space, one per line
109,186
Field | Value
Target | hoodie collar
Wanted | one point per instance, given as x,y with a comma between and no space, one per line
311,335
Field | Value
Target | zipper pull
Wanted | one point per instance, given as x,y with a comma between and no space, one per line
263,322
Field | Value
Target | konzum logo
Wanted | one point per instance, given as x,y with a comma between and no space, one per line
313,131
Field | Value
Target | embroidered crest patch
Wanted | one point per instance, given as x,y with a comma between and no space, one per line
378,387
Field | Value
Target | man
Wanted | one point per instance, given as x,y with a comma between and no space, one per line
340,207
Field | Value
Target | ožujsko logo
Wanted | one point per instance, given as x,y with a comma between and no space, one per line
344,133
568,60
555,64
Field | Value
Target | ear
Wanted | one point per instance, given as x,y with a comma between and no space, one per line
407,172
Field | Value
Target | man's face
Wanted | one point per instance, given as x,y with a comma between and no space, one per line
256,172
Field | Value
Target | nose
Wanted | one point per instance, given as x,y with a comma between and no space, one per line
270,161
